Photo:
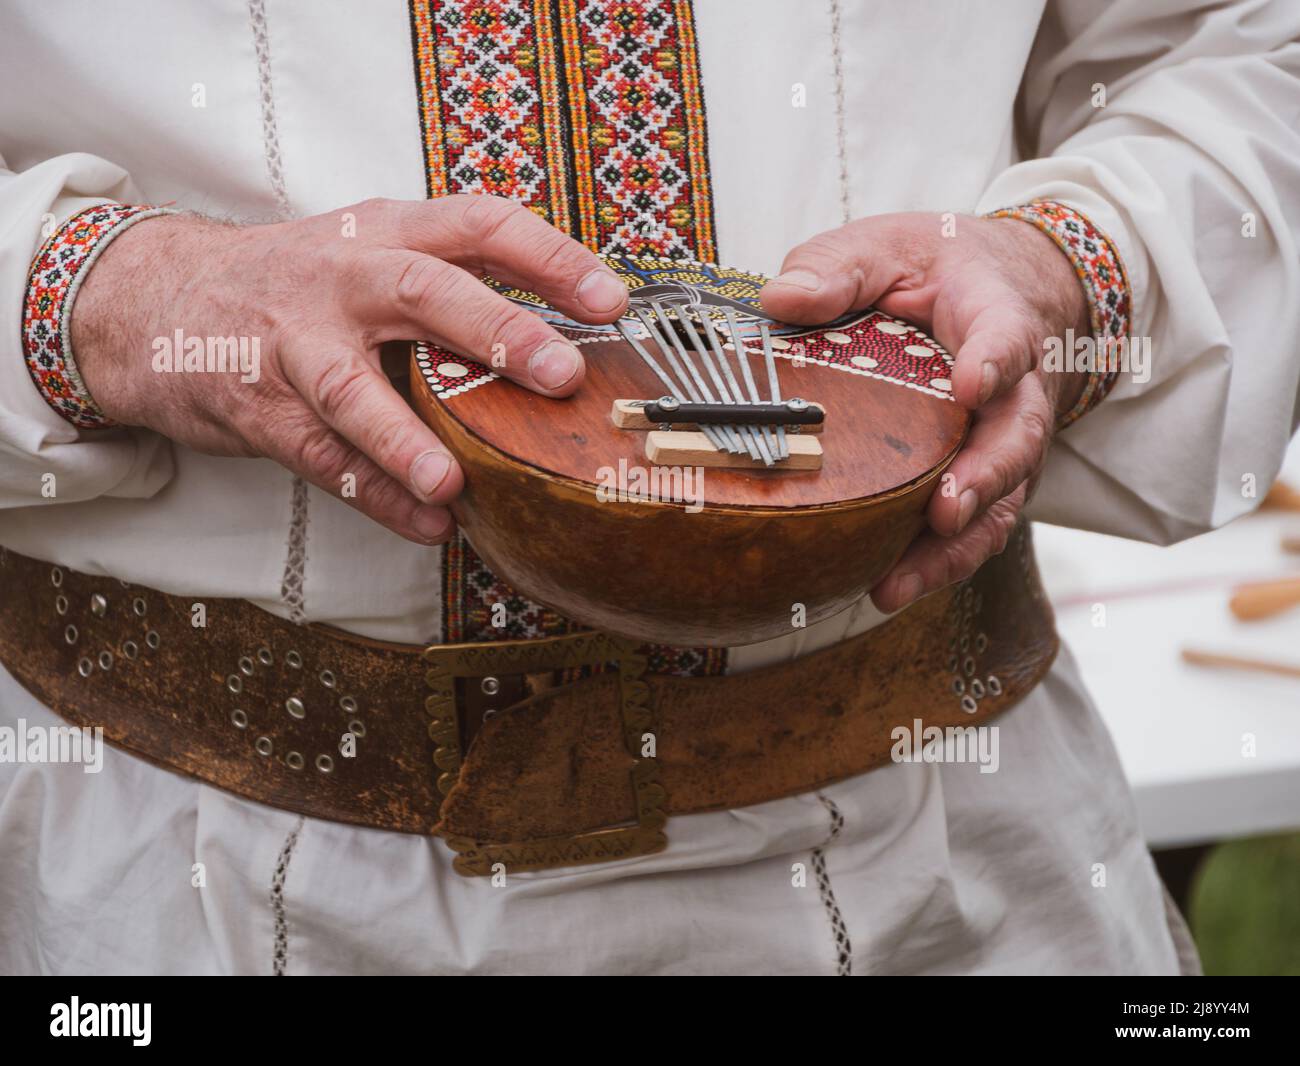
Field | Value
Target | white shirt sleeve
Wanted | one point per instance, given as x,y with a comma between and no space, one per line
1175,127
43,458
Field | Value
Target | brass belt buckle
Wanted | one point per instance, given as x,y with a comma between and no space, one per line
503,658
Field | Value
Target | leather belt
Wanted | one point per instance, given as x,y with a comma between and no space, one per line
477,742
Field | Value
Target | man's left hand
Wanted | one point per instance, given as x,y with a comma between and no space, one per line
991,292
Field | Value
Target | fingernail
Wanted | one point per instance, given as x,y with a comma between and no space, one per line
966,508
909,588
988,381
554,364
800,279
601,291
432,522
429,470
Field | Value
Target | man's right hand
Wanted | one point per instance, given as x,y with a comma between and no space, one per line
321,301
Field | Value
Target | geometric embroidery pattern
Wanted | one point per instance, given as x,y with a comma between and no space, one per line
52,283
638,128
1100,271
589,112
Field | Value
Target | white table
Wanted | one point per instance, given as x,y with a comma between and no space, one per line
1182,730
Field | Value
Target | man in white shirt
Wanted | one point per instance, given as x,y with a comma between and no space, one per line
1129,170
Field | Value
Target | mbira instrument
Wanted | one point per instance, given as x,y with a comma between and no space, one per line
719,478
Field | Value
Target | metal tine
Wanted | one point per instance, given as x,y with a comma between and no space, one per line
753,438
687,389
747,436
732,437
649,360
742,357
773,384
715,331
715,436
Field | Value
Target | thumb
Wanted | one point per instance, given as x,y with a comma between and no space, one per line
847,269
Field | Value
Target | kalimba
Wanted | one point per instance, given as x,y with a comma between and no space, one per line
810,454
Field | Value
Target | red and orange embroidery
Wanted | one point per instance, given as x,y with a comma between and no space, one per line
1105,284
588,111
52,283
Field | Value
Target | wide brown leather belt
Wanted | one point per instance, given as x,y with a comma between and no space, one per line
473,742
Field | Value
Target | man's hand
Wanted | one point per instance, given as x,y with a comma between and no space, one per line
991,294
321,301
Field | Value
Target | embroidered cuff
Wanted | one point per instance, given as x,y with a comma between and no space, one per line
1101,273
56,274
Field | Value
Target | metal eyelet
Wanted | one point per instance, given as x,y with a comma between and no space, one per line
952,664
56,578
85,667
130,649
968,666
357,727
294,760
265,657
981,643
70,634
348,704
293,659
239,718
295,707
327,678
994,685
977,688
263,745
246,666
324,764
139,606
490,686
106,660
61,604
958,685
965,645
153,639
98,605
968,704
235,683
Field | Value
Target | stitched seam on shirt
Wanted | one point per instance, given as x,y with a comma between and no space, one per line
841,140
839,930
280,949
270,133
293,584
293,581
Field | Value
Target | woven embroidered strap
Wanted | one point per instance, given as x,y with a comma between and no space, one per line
1101,272
56,274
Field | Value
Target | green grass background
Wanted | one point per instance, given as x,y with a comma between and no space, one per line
1244,907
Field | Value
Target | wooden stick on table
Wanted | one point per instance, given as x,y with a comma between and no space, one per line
1210,658
1263,599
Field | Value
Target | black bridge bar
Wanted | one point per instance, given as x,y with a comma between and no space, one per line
792,412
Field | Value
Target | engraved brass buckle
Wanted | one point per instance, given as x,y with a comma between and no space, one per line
502,658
